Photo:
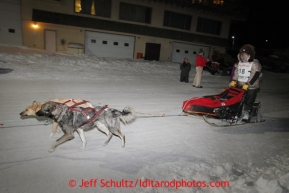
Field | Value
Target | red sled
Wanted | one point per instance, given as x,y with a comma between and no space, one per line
225,105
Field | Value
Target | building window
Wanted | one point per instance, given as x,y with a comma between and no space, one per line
93,41
104,42
209,26
135,13
177,20
11,30
126,44
197,1
218,2
115,43
100,8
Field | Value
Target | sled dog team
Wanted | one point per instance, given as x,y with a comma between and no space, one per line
79,115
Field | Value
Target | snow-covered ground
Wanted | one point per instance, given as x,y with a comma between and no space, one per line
177,150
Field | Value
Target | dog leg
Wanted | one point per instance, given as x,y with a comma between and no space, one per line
115,129
61,140
104,129
82,137
101,127
108,139
121,136
54,129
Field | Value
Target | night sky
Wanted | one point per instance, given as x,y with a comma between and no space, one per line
267,20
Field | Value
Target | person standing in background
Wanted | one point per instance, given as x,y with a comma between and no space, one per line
185,68
200,64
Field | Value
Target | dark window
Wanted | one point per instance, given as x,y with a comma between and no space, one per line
11,30
177,20
126,44
102,8
104,42
135,13
115,43
209,26
178,51
186,51
93,41
93,7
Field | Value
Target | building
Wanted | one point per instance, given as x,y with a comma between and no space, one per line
10,22
165,30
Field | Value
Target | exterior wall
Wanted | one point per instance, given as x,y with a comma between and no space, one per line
34,37
166,46
225,24
158,16
10,22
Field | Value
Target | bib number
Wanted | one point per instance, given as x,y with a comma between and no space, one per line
244,69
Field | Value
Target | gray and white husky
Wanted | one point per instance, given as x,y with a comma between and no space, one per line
81,119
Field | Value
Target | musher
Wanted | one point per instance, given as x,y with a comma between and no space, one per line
247,76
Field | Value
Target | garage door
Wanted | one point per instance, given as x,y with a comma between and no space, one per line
109,45
10,22
190,51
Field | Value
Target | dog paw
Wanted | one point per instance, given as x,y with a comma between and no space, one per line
81,148
51,150
51,135
104,144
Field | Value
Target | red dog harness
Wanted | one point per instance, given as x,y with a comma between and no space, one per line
85,111
75,103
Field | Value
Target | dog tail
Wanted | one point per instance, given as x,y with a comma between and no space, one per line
128,115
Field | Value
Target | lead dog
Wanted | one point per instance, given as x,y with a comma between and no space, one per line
81,119
31,110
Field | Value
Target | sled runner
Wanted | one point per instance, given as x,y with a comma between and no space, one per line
225,107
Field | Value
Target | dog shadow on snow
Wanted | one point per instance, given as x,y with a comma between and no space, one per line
133,162
38,118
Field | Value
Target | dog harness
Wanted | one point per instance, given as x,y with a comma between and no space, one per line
85,111
75,103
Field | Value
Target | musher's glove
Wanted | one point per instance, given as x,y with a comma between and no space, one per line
233,83
245,86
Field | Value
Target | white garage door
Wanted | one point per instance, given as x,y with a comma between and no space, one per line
10,22
190,51
109,45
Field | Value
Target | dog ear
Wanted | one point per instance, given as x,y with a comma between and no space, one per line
34,105
54,107
51,107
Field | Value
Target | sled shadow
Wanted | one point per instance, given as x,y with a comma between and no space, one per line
271,124
5,70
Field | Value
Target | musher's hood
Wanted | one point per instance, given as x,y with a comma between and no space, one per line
248,49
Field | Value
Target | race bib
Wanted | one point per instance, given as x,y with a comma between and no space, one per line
244,71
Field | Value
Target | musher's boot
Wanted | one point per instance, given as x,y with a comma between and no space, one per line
246,116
